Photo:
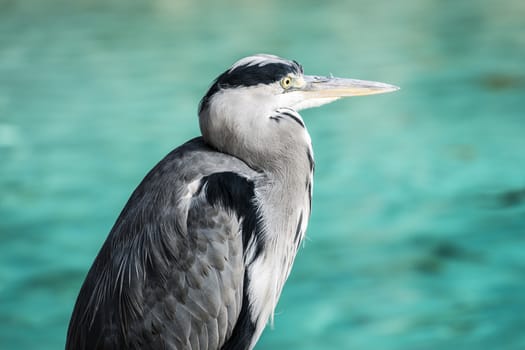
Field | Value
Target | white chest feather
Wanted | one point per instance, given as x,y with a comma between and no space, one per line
284,227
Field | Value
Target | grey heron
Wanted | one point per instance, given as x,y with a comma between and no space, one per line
199,255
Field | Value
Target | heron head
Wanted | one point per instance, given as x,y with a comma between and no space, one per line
237,109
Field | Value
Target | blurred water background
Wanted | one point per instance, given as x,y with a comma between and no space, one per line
417,239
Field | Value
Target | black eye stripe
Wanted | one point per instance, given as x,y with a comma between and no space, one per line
251,75
254,75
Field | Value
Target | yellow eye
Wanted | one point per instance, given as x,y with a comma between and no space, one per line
286,82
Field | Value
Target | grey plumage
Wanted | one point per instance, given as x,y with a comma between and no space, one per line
177,274
200,253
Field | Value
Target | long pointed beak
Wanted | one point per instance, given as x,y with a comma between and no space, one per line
332,87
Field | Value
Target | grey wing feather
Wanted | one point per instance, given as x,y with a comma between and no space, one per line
170,275
212,289
216,301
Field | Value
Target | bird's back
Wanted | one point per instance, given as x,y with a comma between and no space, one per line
170,274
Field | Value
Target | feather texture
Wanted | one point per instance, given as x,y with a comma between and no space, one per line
177,273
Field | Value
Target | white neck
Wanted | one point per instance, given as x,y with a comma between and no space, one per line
287,195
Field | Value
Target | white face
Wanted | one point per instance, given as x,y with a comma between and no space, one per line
241,121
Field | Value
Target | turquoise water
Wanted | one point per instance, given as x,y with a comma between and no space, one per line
417,239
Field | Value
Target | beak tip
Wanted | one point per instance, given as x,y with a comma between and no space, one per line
391,88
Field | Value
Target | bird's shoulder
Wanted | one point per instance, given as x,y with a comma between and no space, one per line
188,176
174,257
196,159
